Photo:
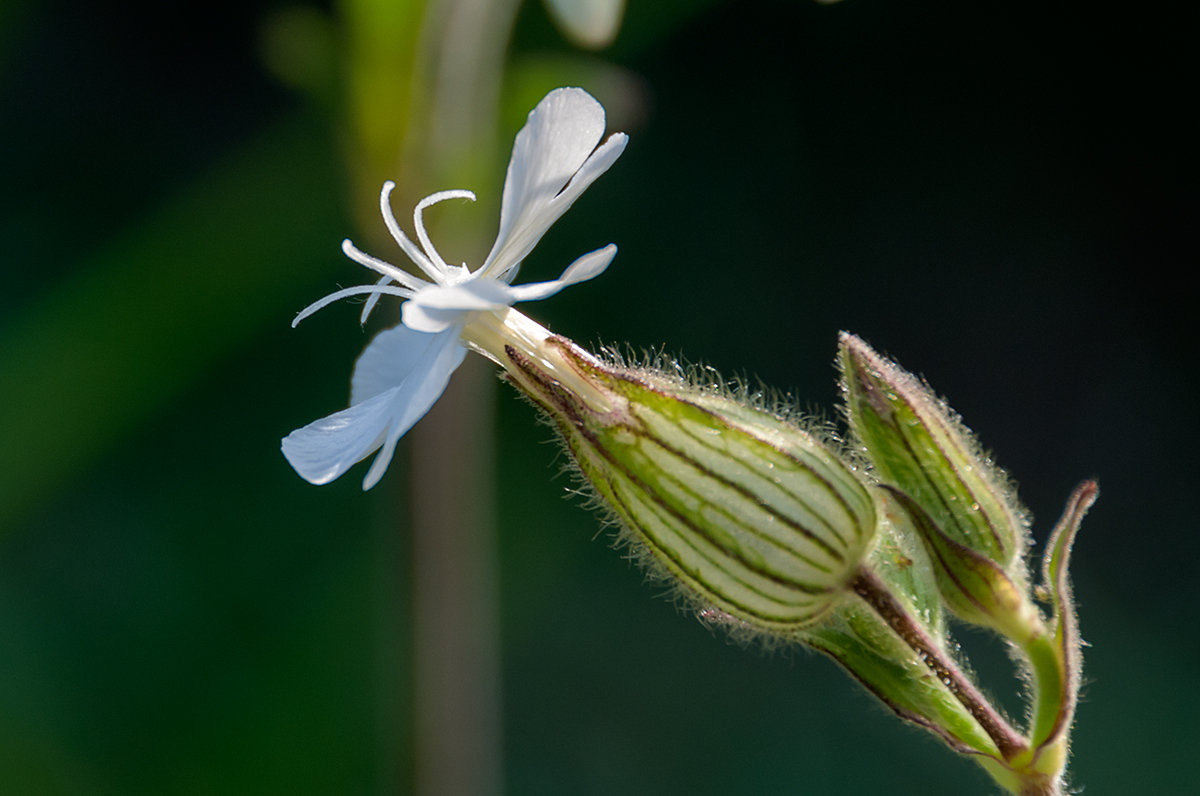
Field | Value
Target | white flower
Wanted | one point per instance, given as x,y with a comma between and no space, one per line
404,370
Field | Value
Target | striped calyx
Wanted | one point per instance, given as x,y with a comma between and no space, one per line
749,513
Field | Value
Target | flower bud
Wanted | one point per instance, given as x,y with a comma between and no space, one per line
918,445
974,587
749,513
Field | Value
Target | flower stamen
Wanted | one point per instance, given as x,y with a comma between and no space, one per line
389,219
358,290
387,269
372,300
423,236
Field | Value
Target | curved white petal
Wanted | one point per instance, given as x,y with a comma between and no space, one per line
428,320
439,307
326,448
399,376
557,145
586,267
389,359
438,358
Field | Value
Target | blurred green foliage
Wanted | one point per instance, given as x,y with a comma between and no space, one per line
1000,197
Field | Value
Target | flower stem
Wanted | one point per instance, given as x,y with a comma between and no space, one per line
875,592
456,639
1049,678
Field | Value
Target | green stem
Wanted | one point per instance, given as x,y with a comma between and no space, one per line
1048,682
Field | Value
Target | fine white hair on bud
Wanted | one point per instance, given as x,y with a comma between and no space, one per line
919,445
750,514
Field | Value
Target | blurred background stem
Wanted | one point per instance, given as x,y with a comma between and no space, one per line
456,638
451,90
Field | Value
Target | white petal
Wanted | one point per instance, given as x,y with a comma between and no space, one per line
437,308
326,448
429,321
555,145
421,388
400,375
389,359
586,267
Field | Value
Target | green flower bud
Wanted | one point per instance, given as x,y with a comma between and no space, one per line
919,445
974,587
752,515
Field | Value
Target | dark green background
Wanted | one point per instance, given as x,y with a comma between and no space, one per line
1001,196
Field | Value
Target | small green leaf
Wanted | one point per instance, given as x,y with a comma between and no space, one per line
1053,718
